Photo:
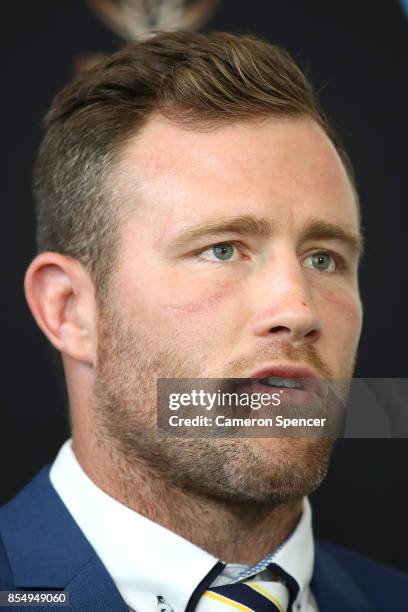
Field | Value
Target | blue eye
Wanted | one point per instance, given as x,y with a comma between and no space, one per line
220,252
223,251
323,262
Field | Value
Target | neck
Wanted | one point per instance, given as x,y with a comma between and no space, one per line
234,533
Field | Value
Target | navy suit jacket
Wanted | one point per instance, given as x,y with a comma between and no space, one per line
42,548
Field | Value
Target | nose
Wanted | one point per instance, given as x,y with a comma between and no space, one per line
283,304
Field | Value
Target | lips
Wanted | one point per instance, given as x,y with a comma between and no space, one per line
290,378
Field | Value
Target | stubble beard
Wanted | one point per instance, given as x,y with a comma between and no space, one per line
265,472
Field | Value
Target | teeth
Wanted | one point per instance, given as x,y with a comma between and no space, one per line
288,383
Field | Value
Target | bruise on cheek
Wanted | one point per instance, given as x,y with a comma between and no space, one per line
203,302
348,305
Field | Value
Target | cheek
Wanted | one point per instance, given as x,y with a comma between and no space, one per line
343,309
204,320
200,299
345,303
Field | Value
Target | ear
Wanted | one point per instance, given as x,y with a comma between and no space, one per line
61,297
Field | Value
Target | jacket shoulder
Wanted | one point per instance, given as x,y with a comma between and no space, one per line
41,541
6,580
382,584
43,548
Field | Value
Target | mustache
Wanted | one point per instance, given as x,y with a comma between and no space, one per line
283,350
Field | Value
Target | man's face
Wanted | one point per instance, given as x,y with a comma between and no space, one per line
237,255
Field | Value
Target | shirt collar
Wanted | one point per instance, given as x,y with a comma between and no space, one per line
146,560
296,554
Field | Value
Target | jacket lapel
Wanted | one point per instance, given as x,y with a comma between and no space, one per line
47,550
93,589
334,589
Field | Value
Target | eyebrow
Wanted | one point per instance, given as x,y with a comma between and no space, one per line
323,230
242,224
262,227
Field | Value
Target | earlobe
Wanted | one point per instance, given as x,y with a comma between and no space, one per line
59,294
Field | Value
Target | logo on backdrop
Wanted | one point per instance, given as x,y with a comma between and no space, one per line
135,19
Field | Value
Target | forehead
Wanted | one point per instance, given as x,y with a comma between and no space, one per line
283,167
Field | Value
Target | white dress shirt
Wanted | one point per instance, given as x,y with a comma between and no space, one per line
146,560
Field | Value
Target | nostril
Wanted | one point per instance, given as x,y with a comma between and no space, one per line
312,335
279,328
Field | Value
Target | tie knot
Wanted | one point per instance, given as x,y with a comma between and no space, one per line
269,590
250,595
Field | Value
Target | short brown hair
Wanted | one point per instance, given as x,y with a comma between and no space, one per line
198,79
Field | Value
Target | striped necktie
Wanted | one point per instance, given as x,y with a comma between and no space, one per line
247,596
252,594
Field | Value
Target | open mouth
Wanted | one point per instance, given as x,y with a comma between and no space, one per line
298,385
280,383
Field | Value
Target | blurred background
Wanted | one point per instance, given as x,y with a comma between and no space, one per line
355,53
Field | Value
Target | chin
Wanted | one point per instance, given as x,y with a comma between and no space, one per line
280,469
260,471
